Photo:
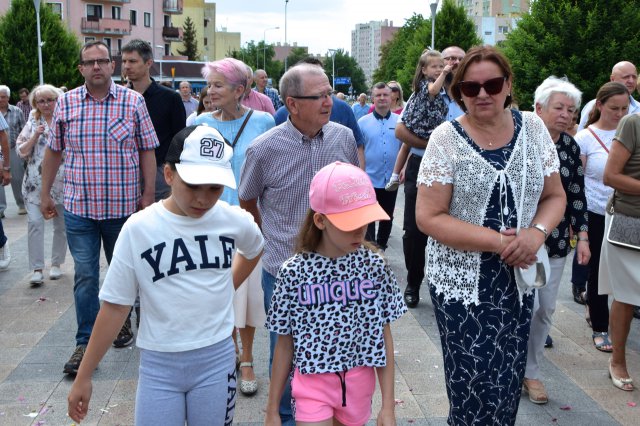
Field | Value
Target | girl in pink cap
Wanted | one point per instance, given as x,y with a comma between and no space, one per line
332,306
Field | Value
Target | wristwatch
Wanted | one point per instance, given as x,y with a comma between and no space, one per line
541,229
6,169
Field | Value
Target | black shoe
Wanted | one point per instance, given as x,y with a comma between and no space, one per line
636,312
71,367
125,337
411,299
549,342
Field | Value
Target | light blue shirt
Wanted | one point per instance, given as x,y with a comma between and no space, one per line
259,123
380,146
360,110
454,112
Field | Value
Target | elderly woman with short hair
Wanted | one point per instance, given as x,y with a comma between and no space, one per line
556,101
31,145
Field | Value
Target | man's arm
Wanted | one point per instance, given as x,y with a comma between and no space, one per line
252,207
408,137
148,171
50,165
6,160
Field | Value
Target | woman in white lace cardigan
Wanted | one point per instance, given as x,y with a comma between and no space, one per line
470,182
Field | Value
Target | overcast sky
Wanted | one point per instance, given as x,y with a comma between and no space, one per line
317,24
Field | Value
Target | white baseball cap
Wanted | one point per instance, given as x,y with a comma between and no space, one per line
202,156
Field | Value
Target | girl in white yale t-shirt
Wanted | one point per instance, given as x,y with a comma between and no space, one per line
332,306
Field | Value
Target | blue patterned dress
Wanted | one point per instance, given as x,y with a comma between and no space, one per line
485,345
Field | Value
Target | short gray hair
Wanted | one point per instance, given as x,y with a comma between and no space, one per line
552,85
5,89
292,82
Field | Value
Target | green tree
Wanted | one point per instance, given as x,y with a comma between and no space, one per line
19,53
578,39
189,40
296,54
260,56
400,55
345,66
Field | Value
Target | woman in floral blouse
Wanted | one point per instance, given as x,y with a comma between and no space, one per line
556,101
30,145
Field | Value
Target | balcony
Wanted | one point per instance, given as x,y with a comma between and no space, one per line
172,6
109,1
95,25
172,33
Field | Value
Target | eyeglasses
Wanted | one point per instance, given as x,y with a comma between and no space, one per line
395,89
45,101
471,89
92,62
322,96
454,58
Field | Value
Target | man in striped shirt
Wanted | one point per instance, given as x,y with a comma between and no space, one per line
279,166
109,141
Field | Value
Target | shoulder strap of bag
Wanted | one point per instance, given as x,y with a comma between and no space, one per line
598,139
244,123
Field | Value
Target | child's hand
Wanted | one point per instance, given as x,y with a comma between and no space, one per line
447,69
78,400
386,417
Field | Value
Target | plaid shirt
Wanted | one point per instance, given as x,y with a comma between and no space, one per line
25,107
101,138
278,169
16,123
273,95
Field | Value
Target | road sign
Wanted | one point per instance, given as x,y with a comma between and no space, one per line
343,80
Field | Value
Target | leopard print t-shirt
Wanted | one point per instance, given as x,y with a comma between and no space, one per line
335,309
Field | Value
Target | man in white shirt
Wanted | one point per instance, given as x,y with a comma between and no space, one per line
623,72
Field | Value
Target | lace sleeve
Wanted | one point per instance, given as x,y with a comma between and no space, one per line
548,153
435,165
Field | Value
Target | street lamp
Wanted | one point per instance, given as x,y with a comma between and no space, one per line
286,2
434,6
264,46
159,46
36,3
333,67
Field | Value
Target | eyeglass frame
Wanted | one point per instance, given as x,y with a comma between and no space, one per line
92,62
454,58
482,86
313,97
46,101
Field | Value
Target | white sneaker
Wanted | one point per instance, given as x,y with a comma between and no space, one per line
392,185
36,277
5,257
55,273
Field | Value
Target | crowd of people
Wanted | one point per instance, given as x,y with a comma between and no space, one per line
253,207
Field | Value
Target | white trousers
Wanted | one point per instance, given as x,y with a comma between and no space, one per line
36,237
544,306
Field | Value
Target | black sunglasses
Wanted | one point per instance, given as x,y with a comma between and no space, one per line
471,89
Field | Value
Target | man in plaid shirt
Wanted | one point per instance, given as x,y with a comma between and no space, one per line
109,141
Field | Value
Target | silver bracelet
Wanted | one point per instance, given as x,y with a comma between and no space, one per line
541,229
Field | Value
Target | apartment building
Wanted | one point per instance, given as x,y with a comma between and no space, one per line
366,41
116,21
494,19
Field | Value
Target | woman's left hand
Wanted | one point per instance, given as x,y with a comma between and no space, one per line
521,252
583,252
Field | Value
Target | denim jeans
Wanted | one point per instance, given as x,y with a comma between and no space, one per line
84,236
286,416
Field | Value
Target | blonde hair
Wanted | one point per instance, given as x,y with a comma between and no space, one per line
42,89
426,56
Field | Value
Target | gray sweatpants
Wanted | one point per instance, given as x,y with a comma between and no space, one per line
197,386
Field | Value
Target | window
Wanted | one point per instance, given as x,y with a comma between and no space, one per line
107,41
147,19
94,12
133,17
167,21
205,41
88,39
56,8
116,12
119,41
503,29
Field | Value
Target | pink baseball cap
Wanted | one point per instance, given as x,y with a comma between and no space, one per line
344,193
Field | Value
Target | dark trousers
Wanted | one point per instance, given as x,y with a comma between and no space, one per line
579,273
387,200
3,237
414,242
598,305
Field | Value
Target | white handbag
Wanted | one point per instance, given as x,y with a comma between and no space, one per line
536,275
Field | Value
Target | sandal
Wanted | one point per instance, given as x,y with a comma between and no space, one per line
535,389
579,296
605,341
625,384
248,387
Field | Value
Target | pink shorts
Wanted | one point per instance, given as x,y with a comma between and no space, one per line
343,396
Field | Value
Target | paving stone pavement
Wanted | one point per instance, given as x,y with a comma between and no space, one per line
37,328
